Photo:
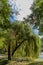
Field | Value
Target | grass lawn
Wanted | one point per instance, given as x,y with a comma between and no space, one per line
25,63
5,62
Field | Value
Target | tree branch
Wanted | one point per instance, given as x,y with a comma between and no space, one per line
18,46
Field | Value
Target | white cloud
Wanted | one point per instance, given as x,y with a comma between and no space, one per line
25,8
24,5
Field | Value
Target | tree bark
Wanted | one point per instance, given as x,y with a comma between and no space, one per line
9,51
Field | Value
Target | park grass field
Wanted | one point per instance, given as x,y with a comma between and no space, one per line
6,62
26,63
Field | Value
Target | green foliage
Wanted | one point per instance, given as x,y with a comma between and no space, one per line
5,11
33,46
36,17
30,48
22,29
37,45
37,9
1,43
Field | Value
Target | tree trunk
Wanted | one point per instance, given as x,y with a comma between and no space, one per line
9,51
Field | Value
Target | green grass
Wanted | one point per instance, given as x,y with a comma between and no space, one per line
4,62
36,63
25,63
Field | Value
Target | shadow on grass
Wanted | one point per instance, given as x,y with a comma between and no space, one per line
3,62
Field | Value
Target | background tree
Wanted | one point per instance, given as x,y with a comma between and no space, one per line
38,13
36,17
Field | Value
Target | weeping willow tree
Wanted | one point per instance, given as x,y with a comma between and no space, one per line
21,41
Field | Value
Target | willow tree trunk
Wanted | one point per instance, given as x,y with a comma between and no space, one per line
9,51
